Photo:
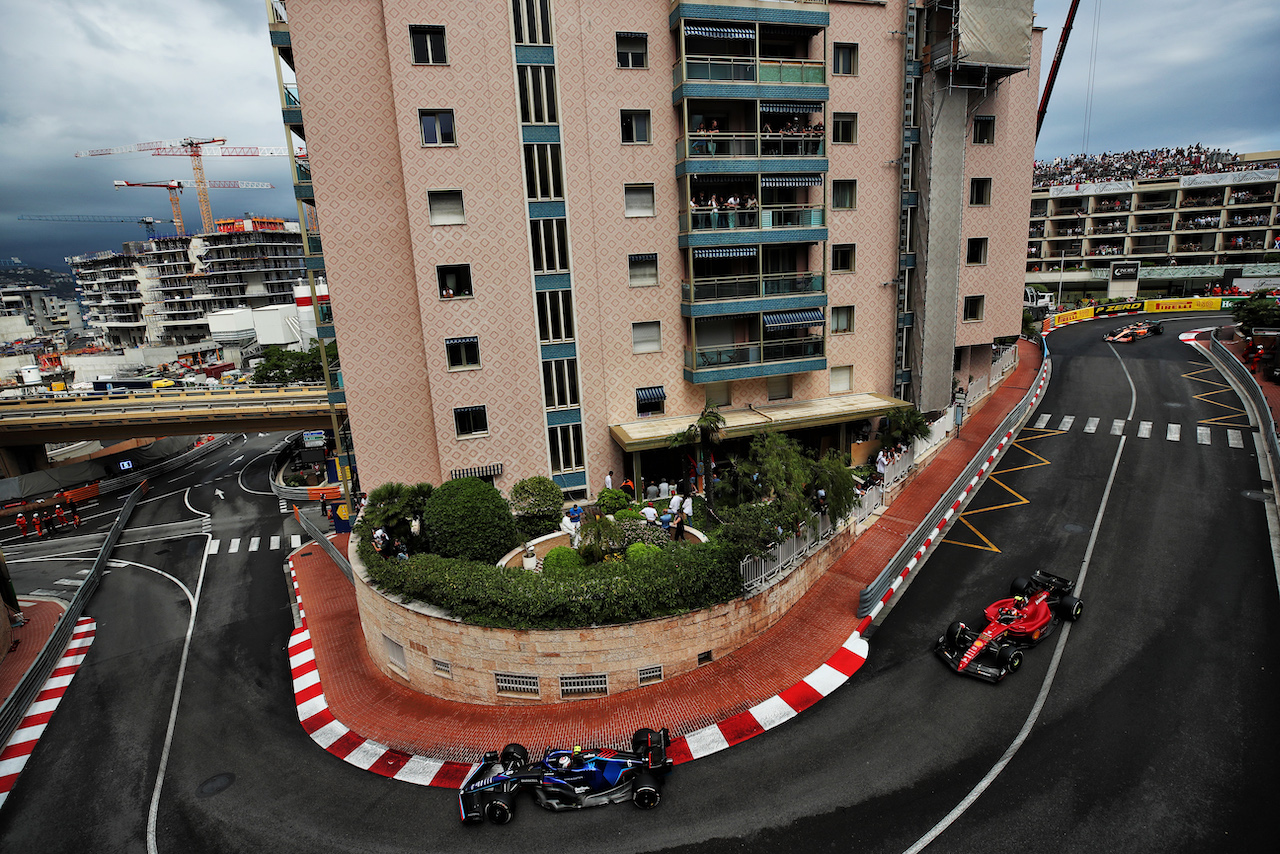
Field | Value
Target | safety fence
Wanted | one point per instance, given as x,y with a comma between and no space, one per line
759,572
324,542
1266,423
16,705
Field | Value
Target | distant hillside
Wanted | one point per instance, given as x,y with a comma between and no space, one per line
59,283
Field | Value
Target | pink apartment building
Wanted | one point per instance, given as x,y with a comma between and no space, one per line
554,230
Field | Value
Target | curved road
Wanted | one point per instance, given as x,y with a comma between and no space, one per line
1145,727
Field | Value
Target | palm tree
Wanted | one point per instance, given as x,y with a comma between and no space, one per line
707,430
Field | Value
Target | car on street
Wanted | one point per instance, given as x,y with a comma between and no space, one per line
1134,331
1035,607
566,779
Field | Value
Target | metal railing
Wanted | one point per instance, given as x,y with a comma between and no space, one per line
741,287
779,216
17,703
1266,423
873,592
759,572
325,543
755,353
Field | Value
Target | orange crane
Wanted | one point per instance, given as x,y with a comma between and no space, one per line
194,149
175,187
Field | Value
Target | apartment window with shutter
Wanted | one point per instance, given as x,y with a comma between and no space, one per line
984,130
639,200
976,252
642,270
841,319
842,379
646,337
633,50
843,257
454,280
844,195
719,394
778,388
974,308
445,207
471,421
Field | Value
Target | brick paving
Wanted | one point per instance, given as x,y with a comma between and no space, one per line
370,704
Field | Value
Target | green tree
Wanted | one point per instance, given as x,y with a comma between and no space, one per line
287,367
1258,311
705,431
537,503
904,425
467,518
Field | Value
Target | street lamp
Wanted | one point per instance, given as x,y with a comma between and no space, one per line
1062,267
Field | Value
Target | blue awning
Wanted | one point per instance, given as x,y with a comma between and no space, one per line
469,409
652,394
797,319
791,181
793,107
470,339
713,32
726,252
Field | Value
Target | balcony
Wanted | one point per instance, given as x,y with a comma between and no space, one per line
748,69
748,287
729,145
707,219
755,359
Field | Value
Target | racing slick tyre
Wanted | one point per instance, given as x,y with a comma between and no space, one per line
1158,329
515,753
643,738
1020,586
647,791
1070,608
955,636
499,810
1009,659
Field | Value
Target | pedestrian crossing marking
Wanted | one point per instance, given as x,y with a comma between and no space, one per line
214,545
70,582
284,506
1067,421
1202,435
296,541
1041,421
275,543
1235,439
234,547
1117,427
1091,425
253,544
1144,430
1173,433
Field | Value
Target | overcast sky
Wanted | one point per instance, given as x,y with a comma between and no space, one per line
80,74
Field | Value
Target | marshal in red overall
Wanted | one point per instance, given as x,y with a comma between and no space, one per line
1036,607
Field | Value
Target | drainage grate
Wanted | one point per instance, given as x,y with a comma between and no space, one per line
650,675
581,684
517,683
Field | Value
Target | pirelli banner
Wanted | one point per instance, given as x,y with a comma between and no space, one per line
1119,308
1189,304
1065,317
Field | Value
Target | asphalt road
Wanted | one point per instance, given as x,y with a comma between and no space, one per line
1145,727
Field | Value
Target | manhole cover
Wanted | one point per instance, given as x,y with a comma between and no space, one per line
1074,529
214,785
1256,495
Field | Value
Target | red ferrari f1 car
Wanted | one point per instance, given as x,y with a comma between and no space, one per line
1036,607
1134,331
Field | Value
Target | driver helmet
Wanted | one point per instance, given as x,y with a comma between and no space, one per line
1019,601
564,761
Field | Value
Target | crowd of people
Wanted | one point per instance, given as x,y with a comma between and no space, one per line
728,211
47,522
1131,165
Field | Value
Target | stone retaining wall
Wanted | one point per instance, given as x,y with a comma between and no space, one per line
428,638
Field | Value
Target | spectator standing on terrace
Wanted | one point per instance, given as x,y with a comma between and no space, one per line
664,489
651,491
650,513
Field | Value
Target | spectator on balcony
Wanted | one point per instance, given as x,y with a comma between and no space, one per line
731,206
750,211
711,144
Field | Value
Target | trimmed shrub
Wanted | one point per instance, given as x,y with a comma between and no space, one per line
536,502
638,551
610,501
467,518
562,559
627,513
631,531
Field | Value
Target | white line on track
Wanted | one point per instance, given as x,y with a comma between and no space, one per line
1067,421
1041,421
1117,426
1203,436
1144,430
1173,432
1012,750
1091,425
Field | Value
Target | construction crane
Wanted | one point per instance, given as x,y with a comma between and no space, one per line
194,149
147,222
175,187
1057,62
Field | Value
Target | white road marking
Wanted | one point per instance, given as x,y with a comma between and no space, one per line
70,582
253,544
213,547
234,547
1117,427
1202,435
1234,439
1173,433
1144,430
275,542
1041,421
1091,425
1067,421
296,541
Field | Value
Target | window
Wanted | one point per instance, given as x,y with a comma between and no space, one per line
843,257
516,683
633,50
976,251
984,130
844,59
437,127
395,653
779,388
719,394
979,191
537,85
646,337
844,127
555,316
842,379
844,195
560,383
841,319
550,245
642,270
471,421
445,207
427,44
651,401
462,353
650,675
565,444
532,19
454,280
639,199
635,127
974,308
543,172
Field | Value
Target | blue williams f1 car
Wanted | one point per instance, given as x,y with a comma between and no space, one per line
567,779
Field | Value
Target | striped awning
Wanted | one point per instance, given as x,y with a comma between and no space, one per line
468,409
791,181
725,178
494,470
726,252
633,35
797,319
714,32
470,339
793,107
652,394
641,258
